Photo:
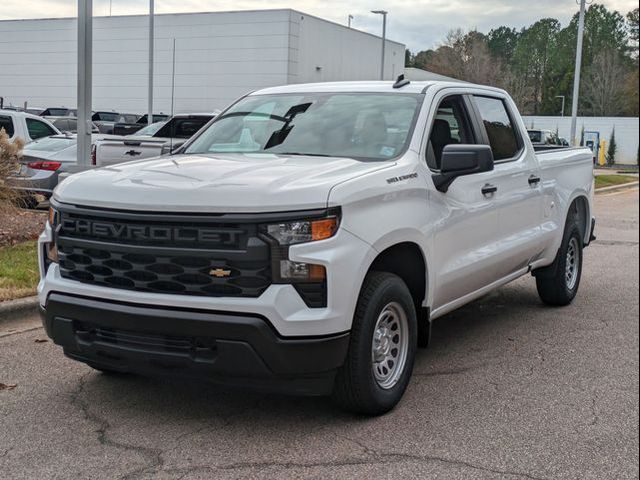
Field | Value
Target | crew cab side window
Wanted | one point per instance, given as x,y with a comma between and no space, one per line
451,126
503,137
38,129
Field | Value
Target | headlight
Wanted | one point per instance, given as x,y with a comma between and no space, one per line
309,276
302,231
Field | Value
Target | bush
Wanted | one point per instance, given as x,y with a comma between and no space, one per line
613,148
10,153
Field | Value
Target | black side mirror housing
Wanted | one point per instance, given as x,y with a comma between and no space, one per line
460,160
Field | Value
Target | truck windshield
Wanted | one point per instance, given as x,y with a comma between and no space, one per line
367,126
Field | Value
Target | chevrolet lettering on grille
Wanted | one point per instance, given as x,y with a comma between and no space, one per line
153,233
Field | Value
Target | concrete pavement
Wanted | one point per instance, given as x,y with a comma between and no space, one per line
510,389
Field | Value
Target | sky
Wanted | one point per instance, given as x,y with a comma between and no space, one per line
420,24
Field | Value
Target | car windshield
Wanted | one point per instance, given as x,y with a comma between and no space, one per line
366,126
149,130
50,144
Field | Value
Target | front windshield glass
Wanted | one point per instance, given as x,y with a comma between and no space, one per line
367,126
149,130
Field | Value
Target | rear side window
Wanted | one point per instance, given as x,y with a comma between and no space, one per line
503,137
182,127
38,129
7,124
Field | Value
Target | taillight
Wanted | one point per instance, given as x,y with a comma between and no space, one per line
45,165
93,154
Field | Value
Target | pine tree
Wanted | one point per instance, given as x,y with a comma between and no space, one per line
613,147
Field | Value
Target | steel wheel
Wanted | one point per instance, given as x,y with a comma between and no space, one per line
390,345
572,265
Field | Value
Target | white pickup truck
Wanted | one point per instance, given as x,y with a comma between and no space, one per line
175,132
25,126
307,238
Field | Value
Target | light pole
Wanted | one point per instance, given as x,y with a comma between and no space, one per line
576,77
85,49
349,18
562,97
384,37
150,94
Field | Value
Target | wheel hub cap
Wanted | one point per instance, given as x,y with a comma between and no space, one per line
389,345
572,264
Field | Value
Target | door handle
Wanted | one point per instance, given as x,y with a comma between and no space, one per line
489,189
534,180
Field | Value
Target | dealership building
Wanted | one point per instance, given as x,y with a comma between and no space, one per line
218,57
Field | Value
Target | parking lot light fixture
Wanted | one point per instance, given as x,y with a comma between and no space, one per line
384,37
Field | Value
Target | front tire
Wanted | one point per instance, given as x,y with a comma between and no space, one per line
382,347
558,284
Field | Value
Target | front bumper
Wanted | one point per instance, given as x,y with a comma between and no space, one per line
223,347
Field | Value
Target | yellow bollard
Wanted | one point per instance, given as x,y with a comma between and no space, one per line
602,154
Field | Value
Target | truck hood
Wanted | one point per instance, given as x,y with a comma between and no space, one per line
214,183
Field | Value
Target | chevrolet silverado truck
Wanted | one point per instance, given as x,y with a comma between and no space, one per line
175,132
306,239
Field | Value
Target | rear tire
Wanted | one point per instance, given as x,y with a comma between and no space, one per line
382,347
558,283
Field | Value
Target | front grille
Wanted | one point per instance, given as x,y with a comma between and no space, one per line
194,256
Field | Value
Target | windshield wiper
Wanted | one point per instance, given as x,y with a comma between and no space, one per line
302,154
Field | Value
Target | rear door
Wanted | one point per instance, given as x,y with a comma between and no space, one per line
518,181
466,233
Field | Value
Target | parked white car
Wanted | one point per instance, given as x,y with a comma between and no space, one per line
25,126
308,237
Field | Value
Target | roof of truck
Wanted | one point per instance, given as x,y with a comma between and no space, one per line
381,87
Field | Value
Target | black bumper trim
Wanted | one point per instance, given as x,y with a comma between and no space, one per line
240,350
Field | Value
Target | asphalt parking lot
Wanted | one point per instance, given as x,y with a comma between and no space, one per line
509,389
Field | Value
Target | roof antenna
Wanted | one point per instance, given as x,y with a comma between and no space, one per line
401,82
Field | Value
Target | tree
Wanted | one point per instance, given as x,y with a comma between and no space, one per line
613,148
603,88
633,22
408,58
502,42
532,57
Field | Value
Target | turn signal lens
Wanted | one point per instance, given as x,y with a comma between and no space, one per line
53,216
322,229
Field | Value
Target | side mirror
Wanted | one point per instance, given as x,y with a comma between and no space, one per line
460,160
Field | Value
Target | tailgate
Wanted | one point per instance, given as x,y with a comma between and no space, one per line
110,152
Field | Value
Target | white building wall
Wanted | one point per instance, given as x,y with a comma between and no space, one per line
627,131
219,57
324,51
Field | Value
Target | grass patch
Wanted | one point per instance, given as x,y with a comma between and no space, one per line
610,180
18,270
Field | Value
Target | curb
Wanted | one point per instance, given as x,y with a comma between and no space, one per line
615,188
16,308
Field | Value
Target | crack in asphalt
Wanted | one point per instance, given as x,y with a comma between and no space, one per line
153,456
372,457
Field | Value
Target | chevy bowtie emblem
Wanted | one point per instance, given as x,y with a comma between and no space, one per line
219,272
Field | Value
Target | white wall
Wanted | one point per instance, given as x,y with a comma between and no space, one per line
627,129
219,57
341,52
